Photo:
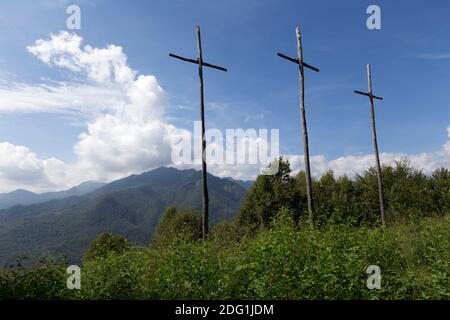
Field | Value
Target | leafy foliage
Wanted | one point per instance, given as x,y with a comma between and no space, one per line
116,276
287,261
177,225
268,194
45,281
104,245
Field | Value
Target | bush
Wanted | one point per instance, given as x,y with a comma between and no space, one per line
41,282
116,276
290,263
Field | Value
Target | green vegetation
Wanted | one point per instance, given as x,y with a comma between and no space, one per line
105,244
270,251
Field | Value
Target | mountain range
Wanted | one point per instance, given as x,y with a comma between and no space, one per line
64,226
25,197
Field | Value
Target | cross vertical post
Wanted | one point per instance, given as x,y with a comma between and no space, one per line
202,117
302,65
199,61
375,142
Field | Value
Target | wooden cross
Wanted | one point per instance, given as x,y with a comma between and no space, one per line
374,138
299,61
202,64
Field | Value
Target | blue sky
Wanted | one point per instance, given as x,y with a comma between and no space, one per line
410,59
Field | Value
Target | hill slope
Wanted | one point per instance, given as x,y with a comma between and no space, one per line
131,207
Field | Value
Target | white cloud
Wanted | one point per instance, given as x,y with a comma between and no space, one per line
352,165
127,131
105,66
21,168
434,56
446,150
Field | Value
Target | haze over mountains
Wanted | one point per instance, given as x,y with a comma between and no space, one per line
25,197
132,207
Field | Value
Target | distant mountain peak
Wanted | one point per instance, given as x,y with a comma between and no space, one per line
21,192
25,197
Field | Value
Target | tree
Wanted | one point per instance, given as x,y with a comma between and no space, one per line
105,244
176,225
407,192
440,190
267,196
335,199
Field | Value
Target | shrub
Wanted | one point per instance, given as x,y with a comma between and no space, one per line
116,276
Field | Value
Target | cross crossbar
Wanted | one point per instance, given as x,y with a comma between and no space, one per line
297,62
368,95
196,62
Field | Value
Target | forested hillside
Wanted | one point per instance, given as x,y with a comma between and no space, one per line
131,207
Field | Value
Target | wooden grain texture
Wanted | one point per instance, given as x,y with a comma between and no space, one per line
205,216
309,191
368,95
205,64
281,55
375,145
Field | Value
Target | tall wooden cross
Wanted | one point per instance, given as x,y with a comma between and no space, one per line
374,138
301,64
199,61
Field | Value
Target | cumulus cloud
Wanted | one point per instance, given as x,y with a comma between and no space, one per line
133,135
21,168
352,165
105,66
127,131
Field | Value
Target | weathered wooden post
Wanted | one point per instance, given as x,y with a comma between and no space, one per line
375,143
302,65
201,64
